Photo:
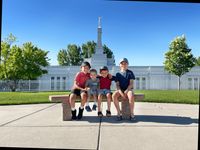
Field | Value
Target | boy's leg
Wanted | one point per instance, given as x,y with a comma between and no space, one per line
87,107
99,102
109,99
84,97
72,99
130,95
115,97
88,99
83,101
95,102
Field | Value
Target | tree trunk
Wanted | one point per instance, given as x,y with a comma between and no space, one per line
179,82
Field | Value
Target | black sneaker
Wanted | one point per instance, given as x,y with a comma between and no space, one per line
88,108
74,115
100,114
132,118
108,113
80,113
119,118
94,107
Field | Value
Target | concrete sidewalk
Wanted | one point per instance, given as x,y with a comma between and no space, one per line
157,126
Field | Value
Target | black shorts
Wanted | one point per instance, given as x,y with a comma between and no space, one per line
78,92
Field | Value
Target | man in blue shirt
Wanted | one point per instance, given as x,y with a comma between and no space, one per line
124,85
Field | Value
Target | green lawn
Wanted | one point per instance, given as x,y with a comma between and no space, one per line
160,96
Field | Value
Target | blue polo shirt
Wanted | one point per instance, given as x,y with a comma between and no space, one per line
124,80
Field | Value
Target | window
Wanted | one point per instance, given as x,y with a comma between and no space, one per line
52,83
189,83
58,83
143,83
137,83
64,83
196,84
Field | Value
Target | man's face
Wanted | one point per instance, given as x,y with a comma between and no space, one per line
124,65
85,69
104,73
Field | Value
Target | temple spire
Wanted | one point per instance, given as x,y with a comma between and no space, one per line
99,22
99,48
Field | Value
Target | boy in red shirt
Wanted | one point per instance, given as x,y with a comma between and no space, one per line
105,83
79,89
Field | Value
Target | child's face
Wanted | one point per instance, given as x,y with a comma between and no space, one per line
93,75
85,69
104,73
123,66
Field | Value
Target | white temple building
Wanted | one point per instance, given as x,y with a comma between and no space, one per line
147,77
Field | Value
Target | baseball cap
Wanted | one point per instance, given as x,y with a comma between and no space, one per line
103,68
85,63
123,59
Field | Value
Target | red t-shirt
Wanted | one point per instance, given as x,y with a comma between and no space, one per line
81,79
105,83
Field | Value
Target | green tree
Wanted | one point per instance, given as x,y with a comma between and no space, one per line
178,59
25,63
197,61
107,51
88,49
63,58
74,54
34,61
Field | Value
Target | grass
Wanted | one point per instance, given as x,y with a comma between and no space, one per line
159,96
171,96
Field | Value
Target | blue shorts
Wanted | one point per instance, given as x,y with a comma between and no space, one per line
104,91
93,92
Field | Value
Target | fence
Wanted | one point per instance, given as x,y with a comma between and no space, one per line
140,83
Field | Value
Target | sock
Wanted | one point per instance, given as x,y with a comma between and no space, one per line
95,103
87,103
81,107
73,109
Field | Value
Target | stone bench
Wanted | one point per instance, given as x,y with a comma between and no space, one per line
67,109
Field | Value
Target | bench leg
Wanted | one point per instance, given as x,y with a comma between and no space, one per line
125,109
66,110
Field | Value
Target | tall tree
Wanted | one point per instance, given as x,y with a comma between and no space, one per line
179,59
63,58
21,63
107,51
88,49
34,61
74,54
197,62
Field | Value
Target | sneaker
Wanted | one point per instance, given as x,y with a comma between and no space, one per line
119,118
88,108
132,118
80,113
100,114
108,113
74,115
94,107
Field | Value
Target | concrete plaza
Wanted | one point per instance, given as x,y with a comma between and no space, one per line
157,126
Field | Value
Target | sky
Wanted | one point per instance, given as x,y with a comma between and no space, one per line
139,31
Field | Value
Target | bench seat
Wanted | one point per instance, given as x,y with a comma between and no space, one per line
67,109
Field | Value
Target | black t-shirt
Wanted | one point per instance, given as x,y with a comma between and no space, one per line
124,80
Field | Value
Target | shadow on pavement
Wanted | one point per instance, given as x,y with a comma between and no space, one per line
144,118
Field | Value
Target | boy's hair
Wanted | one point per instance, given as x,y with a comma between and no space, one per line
85,63
103,68
93,70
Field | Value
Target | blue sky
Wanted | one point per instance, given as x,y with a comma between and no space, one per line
140,31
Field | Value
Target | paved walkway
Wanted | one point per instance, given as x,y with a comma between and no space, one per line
158,126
